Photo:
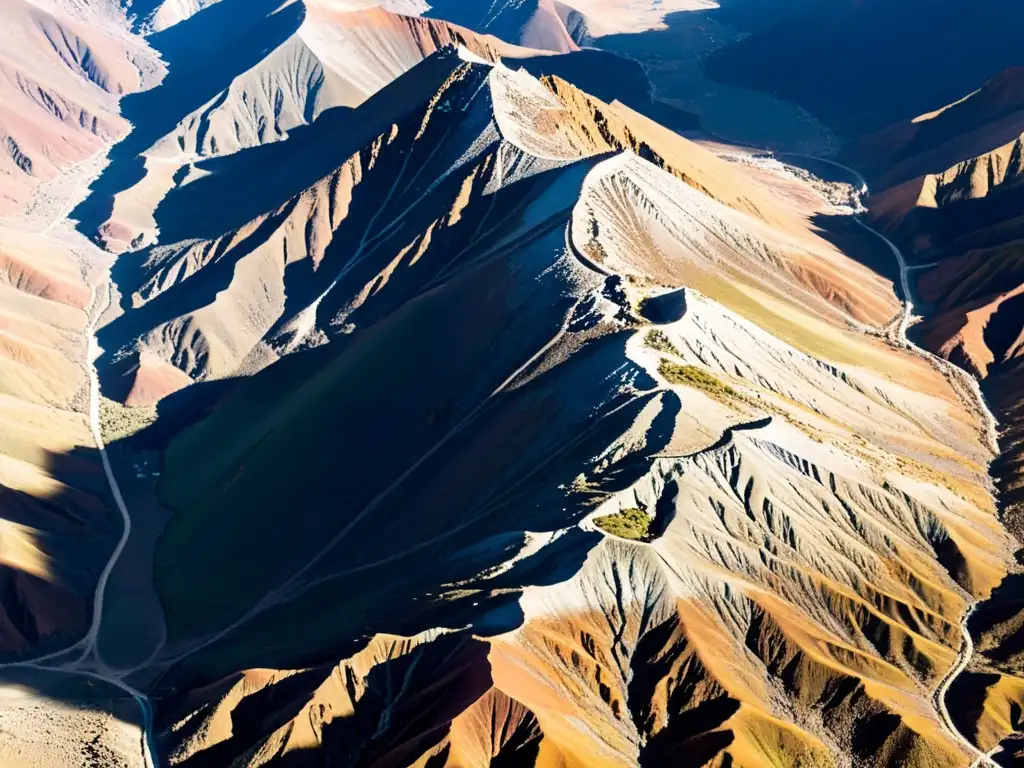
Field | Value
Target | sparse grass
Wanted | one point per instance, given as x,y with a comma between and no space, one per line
118,422
698,378
631,523
970,492
657,339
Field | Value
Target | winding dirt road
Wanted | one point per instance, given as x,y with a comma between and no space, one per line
966,651
86,662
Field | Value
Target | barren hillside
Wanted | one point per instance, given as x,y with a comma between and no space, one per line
820,520
455,410
961,220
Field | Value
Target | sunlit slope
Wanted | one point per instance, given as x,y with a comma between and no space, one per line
53,517
949,189
60,80
961,220
337,57
801,600
446,177
245,76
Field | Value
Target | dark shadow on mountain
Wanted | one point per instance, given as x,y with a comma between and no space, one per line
963,224
1012,755
397,602
74,530
871,733
1004,329
665,308
233,36
862,66
270,174
611,77
1004,605
303,283
506,24
389,726
692,736
1004,390
48,612
674,55
665,510
252,720
861,245
966,701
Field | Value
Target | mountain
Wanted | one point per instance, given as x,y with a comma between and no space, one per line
402,389
52,490
860,65
950,191
560,25
347,250
61,75
948,187
63,68
244,75
959,217
480,356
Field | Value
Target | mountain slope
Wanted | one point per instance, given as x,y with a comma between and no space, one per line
961,220
560,25
486,346
804,56
60,80
981,122
274,68
54,520
495,423
483,133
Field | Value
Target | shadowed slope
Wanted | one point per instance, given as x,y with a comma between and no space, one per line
794,57
244,76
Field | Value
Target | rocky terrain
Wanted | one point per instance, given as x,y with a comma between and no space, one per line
393,385
949,189
61,76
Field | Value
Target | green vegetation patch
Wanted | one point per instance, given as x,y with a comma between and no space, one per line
658,340
631,523
118,421
698,378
